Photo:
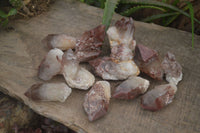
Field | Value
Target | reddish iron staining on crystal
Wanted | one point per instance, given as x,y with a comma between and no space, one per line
121,38
97,100
172,69
131,88
48,92
159,97
89,45
148,61
121,52
108,69
51,64
146,54
60,41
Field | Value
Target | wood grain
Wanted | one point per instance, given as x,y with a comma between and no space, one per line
21,51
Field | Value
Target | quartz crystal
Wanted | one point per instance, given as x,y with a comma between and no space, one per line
172,69
97,100
51,64
109,69
121,38
49,92
60,41
148,61
75,75
89,45
131,88
159,97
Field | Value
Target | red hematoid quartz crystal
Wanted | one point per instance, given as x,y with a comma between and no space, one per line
159,97
97,100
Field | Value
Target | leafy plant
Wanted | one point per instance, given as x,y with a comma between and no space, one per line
4,17
109,9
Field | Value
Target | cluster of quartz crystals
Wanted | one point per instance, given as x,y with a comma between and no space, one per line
67,63
161,95
119,65
124,63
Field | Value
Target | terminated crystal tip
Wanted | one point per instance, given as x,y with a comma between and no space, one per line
172,69
51,64
48,92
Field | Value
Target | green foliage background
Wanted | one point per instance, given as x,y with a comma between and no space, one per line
170,12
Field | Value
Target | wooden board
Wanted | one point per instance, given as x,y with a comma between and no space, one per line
21,51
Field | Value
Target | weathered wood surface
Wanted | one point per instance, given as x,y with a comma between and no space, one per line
21,51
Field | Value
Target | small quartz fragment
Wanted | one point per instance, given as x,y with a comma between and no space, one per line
109,69
172,69
97,100
60,41
131,88
89,45
49,92
159,97
75,75
121,38
51,64
148,61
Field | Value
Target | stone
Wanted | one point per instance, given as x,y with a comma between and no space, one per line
131,88
159,97
60,41
121,38
97,100
48,92
21,52
89,45
51,64
172,69
148,61
109,69
75,75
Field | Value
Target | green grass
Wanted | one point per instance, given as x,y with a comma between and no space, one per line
192,20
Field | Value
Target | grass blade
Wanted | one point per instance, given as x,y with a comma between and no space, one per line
153,17
171,19
192,20
133,9
157,3
109,9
